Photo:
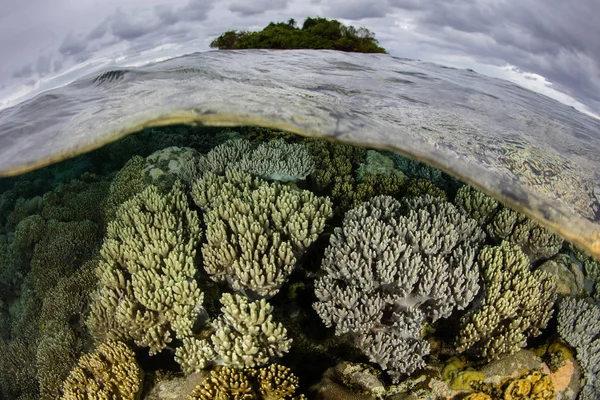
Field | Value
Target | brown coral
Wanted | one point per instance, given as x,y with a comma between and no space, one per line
110,372
531,385
224,383
275,382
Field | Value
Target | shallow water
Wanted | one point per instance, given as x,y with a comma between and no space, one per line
54,241
530,151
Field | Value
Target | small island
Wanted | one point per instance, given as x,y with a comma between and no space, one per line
316,33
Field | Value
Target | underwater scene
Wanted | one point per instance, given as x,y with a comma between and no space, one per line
190,262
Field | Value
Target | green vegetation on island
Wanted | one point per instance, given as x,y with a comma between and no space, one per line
316,33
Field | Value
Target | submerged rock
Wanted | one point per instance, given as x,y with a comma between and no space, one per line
164,167
350,381
568,275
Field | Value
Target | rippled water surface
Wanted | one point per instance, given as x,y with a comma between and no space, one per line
517,145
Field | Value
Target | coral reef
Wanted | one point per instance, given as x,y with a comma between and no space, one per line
502,223
63,248
272,160
391,267
579,325
350,381
278,160
17,370
110,372
591,268
376,163
256,231
78,200
275,382
529,385
244,336
353,175
568,275
88,263
64,335
163,167
517,304
419,171
147,292
128,182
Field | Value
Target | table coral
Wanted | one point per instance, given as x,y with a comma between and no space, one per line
391,267
516,305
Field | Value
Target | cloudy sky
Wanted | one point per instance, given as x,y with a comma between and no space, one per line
550,46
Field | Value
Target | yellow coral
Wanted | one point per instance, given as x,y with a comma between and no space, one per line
531,385
478,396
463,379
558,347
110,372
275,382
224,384
452,367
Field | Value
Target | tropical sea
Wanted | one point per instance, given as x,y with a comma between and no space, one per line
298,224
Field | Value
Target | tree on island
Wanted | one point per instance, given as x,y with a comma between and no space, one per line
316,33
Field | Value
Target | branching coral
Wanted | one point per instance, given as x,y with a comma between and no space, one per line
341,174
56,355
216,160
17,370
64,247
505,224
537,242
420,171
78,200
391,267
476,203
278,160
64,335
110,372
127,183
273,160
579,325
244,336
517,304
147,292
275,382
256,231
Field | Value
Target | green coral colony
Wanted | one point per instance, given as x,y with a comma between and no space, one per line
196,263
